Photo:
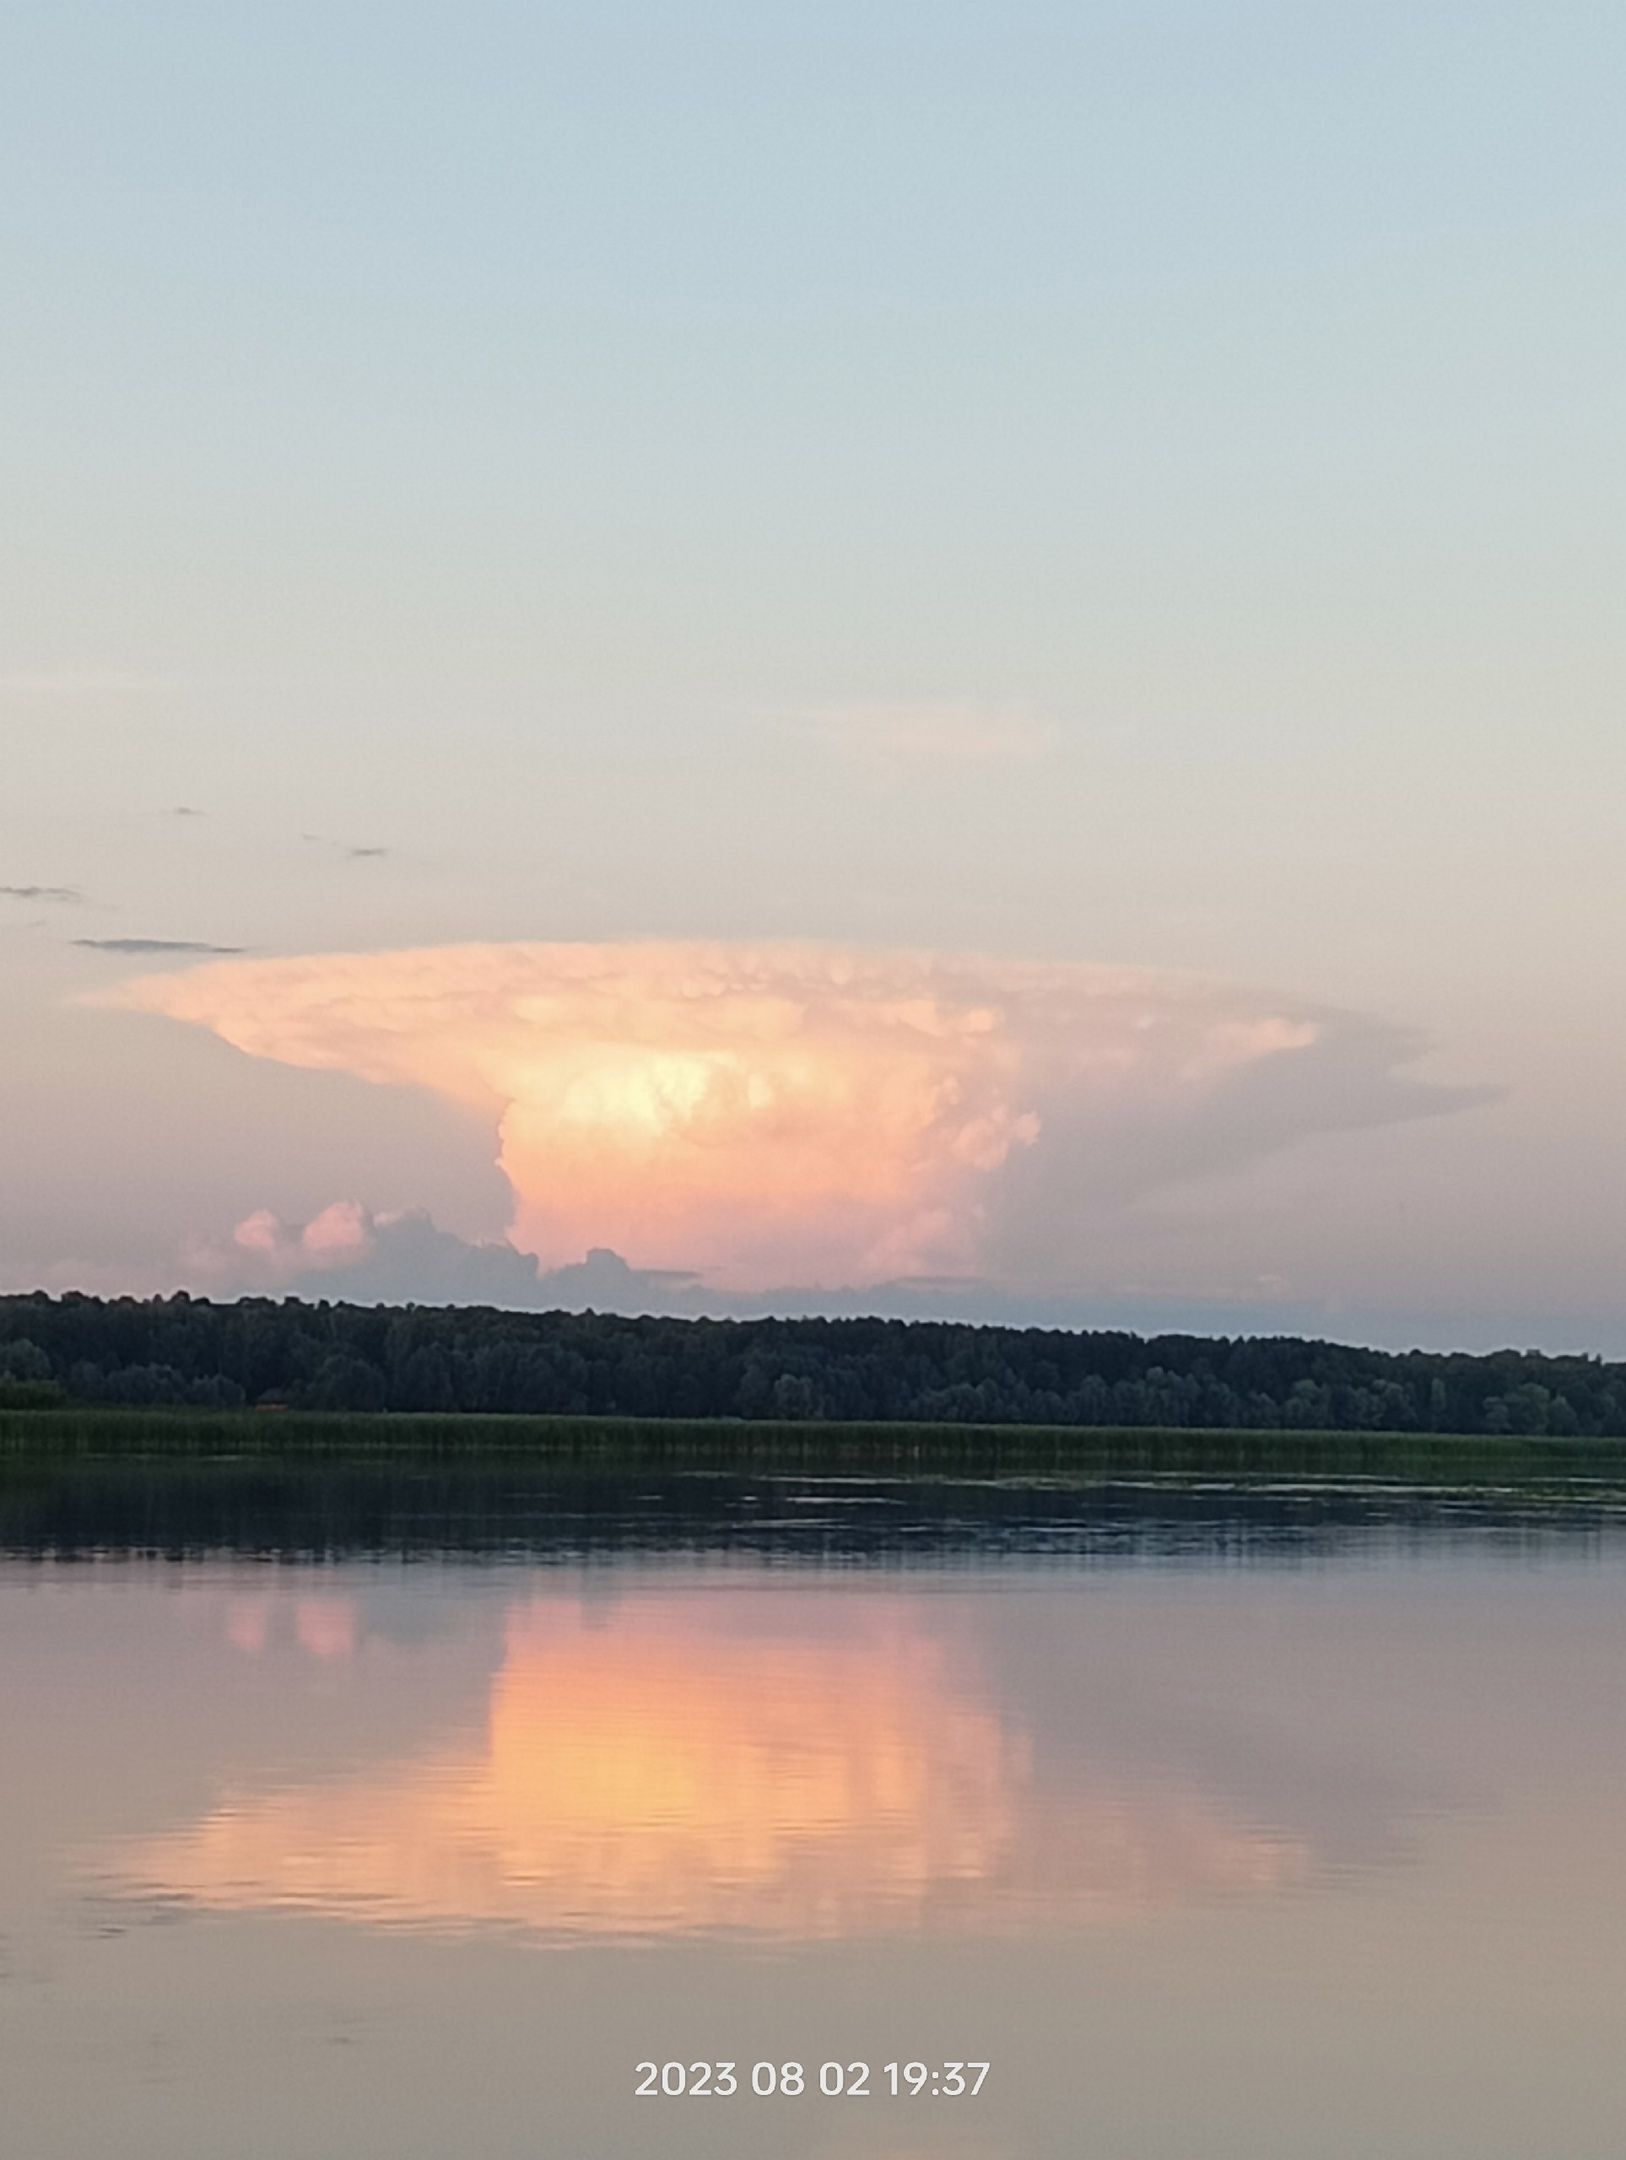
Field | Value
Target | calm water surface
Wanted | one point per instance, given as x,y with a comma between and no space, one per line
404,1814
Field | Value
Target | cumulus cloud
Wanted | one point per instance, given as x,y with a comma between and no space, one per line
402,1256
391,1258
347,1251
774,1114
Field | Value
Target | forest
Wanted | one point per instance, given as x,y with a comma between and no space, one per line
183,1352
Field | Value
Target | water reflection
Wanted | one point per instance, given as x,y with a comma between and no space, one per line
324,1627
752,1763
1205,1851
436,1507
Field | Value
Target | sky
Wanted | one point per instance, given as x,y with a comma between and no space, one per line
931,658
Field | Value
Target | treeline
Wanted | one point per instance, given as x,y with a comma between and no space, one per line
187,1351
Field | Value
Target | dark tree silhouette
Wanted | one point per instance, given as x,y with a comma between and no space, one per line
191,1352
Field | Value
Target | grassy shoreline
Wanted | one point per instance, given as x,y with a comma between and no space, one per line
1088,1451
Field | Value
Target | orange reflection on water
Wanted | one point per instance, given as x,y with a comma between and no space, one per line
685,1769
323,1627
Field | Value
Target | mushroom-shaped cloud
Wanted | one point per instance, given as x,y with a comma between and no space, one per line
797,1113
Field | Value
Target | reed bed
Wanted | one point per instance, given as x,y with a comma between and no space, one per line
859,1449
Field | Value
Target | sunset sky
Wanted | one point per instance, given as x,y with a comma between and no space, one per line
942,658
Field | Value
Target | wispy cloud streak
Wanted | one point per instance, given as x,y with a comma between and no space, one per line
891,740
152,946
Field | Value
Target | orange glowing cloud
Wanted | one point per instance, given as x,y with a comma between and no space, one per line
674,1773
794,1113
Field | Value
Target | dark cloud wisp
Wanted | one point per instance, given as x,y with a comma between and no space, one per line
350,852
138,946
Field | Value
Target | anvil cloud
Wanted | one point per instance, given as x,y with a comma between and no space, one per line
774,1113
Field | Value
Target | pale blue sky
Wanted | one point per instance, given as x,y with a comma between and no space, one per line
1126,484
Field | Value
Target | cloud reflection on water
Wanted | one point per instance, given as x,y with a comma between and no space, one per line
732,1765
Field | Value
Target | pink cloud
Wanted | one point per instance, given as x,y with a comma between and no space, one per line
801,1113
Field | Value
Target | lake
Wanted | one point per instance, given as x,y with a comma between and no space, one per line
428,1813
